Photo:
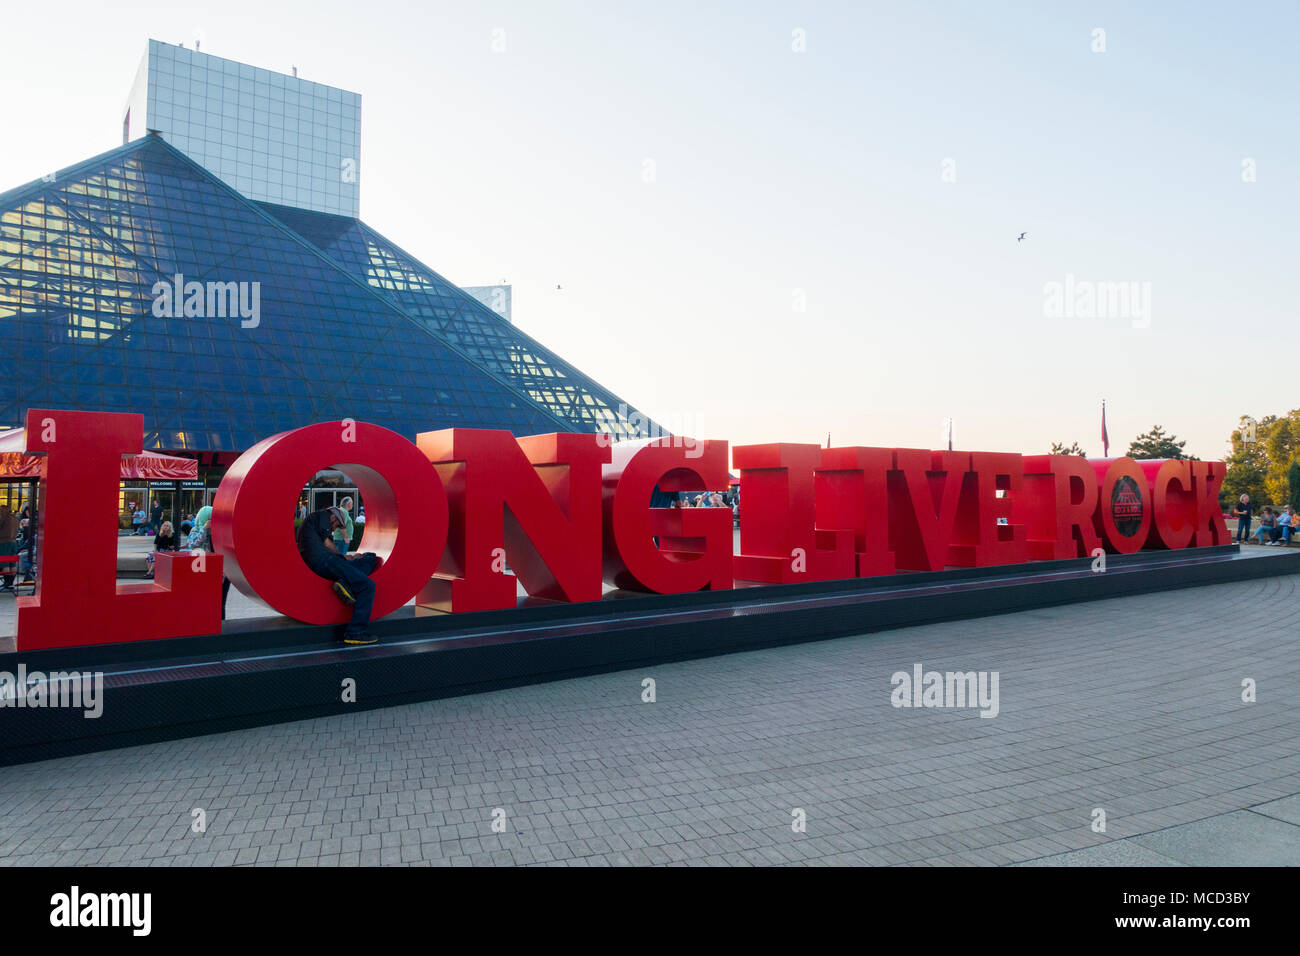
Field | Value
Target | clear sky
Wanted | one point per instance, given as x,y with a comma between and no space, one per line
812,179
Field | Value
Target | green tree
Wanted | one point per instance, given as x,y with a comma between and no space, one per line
1071,449
1280,450
1248,463
1157,444
1293,481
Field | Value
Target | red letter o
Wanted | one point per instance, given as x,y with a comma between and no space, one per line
252,517
1123,504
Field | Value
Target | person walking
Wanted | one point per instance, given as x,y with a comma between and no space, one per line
351,574
200,539
155,517
1242,511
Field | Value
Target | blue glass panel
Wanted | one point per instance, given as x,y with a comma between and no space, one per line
82,262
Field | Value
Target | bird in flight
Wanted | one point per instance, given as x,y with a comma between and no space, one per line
1021,236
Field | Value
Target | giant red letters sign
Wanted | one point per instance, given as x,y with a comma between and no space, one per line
77,599
924,490
1124,516
536,499
852,491
782,543
1057,503
1211,529
455,516
665,550
264,484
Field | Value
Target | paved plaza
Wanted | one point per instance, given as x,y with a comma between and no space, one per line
1131,706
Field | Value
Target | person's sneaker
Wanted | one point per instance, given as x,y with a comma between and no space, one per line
360,637
344,594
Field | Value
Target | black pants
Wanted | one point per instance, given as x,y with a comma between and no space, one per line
9,547
355,574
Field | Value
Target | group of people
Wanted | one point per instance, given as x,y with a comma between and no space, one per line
324,539
146,522
705,499
195,535
1275,527
708,499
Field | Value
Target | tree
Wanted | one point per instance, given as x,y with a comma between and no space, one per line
1071,449
1293,482
1157,444
1248,464
1280,449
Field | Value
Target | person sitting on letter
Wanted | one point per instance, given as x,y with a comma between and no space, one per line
351,575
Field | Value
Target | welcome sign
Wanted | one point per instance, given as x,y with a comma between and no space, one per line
463,517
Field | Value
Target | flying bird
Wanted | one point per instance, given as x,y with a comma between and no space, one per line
1021,236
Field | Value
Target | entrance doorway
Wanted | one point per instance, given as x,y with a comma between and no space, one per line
328,489
330,497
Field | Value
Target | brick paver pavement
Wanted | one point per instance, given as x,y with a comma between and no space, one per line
1132,706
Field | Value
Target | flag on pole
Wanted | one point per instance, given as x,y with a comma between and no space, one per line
945,432
1105,438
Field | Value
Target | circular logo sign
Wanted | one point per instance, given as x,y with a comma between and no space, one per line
1126,507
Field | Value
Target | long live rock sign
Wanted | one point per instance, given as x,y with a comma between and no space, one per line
569,511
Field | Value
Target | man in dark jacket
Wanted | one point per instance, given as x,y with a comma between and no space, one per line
1242,511
351,574
155,517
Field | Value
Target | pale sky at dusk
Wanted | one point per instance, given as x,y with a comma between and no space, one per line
815,178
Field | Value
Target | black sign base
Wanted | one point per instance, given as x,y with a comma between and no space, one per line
263,672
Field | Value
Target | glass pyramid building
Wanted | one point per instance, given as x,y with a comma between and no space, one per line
345,325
